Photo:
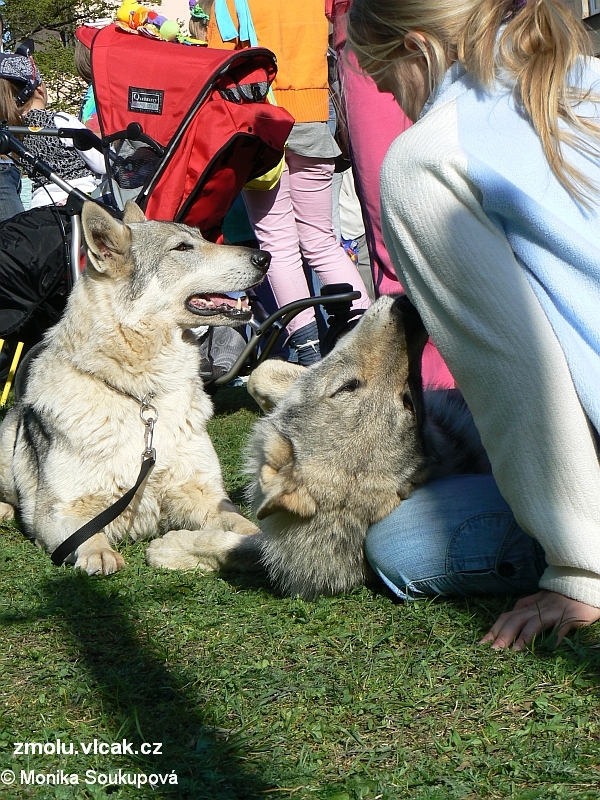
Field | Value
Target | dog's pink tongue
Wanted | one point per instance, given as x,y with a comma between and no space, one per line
215,300
221,300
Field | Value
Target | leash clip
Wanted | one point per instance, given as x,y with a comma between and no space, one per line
148,419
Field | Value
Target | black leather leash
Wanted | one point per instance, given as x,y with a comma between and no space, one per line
75,540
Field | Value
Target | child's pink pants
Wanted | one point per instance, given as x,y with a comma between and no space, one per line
294,220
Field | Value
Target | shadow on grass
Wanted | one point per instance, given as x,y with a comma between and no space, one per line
229,399
147,701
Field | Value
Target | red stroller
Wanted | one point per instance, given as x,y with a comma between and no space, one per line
184,128
192,125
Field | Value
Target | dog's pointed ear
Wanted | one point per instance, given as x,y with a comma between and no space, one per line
416,338
281,488
108,240
132,213
270,382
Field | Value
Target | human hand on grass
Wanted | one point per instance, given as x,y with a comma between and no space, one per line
536,613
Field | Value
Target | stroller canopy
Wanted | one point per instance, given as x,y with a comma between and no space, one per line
206,108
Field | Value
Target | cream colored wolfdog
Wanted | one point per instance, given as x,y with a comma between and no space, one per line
73,445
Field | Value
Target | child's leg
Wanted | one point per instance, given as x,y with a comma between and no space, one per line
311,191
272,217
10,186
365,103
374,120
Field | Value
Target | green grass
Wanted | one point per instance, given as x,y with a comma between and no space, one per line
254,696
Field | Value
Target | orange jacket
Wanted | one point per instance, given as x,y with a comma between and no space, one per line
297,33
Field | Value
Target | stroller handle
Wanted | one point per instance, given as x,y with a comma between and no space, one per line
278,321
10,144
135,133
83,138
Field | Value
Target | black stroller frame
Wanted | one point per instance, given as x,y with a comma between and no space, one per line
265,329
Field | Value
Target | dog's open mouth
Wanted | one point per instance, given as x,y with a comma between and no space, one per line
234,305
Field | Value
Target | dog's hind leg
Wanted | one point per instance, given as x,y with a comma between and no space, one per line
231,518
207,550
195,505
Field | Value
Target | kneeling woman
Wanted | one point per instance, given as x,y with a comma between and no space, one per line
490,206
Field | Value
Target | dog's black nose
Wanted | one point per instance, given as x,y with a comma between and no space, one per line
401,304
261,259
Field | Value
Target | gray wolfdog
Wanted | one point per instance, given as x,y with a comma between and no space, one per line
345,441
73,445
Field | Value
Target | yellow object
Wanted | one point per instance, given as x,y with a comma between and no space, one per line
191,40
126,8
138,17
269,180
11,372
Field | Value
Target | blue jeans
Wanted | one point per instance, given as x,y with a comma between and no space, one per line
10,186
457,537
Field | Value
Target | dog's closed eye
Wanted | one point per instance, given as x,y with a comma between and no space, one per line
349,386
407,402
182,246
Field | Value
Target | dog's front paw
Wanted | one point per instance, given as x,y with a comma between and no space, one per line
96,556
6,512
231,521
101,562
176,550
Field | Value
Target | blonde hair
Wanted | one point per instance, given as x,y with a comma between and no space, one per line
535,51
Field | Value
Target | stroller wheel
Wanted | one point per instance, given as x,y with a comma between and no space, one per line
22,373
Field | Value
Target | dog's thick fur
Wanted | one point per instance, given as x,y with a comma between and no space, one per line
73,445
345,441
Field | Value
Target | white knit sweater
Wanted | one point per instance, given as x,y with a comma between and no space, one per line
504,268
